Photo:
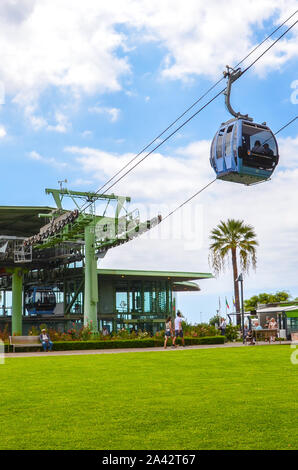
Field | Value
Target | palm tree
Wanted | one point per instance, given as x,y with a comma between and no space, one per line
238,239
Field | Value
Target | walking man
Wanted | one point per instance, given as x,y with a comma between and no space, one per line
178,329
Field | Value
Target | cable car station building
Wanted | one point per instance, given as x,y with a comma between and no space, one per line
51,276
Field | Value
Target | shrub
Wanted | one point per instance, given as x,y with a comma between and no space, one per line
85,333
34,331
132,343
4,335
200,330
232,332
124,343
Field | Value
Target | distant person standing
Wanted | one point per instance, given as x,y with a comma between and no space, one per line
245,331
178,329
105,331
223,326
272,326
267,322
168,331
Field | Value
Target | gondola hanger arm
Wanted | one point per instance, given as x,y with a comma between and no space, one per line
233,75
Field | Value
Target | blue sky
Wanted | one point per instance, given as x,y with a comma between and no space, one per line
86,89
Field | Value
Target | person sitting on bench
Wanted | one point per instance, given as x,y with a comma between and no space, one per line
250,338
45,341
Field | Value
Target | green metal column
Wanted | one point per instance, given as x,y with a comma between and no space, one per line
17,305
91,282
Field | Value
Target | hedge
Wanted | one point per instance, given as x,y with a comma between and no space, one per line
119,344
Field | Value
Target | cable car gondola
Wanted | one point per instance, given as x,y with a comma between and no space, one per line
40,300
243,151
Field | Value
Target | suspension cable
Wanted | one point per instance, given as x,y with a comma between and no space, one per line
286,125
194,104
192,116
189,199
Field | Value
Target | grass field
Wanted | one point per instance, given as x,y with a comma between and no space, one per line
234,398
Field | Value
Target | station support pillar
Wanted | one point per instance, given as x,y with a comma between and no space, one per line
17,301
91,281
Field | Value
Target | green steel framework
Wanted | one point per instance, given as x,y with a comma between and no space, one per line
90,236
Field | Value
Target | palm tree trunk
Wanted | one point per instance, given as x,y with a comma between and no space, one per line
236,287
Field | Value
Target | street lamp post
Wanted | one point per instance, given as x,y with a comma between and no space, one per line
240,279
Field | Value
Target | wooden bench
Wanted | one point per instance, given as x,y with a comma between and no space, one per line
265,334
24,341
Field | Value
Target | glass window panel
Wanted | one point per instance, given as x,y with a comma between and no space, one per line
135,297
149,297
219,144
121,302
235,143
213,149
228,140
259,140
292,324
162,298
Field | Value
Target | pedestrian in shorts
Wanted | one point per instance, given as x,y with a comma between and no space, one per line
168,331
178,329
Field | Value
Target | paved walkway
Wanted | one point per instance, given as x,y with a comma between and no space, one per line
130,350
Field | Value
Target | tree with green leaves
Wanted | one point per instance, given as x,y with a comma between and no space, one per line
215,320
236,240
264,298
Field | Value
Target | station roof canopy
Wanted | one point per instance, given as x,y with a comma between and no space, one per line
186,286
181,277
290,311
21,221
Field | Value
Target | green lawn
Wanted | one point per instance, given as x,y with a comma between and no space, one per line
236,398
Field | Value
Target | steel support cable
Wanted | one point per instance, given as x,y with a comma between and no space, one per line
189,199
268,48
264,40
281,129
192,106
286,125
192,116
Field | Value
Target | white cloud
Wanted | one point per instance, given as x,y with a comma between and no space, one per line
33,155
3,132
81,182
62,123
288,152
146,181
113,113
46,44
86,134
37,122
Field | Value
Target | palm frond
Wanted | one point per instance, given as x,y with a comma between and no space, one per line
232,234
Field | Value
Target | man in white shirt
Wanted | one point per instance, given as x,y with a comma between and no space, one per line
178,329
45,341
223,326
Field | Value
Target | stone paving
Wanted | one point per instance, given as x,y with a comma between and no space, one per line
133,350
